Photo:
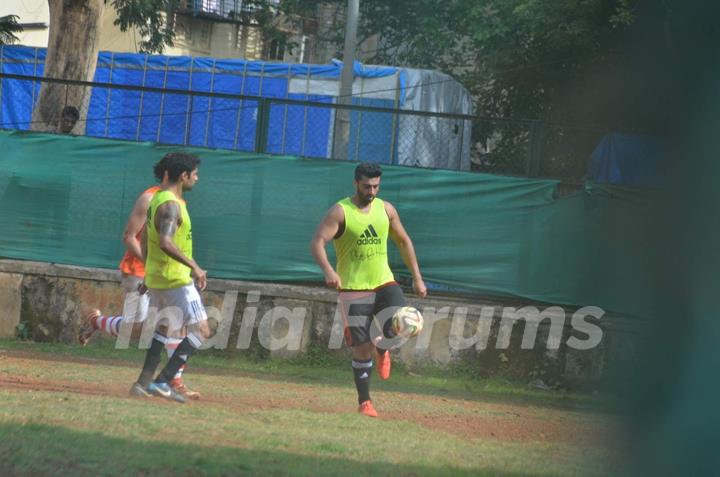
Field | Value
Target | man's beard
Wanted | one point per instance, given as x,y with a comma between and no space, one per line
365,200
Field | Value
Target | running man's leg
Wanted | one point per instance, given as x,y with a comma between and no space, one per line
188,300
163,313
134,311
177,381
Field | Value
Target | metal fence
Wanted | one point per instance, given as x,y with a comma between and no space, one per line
222,8
303,128
533,148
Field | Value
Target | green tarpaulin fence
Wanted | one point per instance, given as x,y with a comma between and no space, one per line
66,199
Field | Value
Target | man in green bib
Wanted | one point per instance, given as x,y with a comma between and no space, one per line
359,227
171,276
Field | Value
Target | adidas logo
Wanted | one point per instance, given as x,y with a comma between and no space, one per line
369,237
363,375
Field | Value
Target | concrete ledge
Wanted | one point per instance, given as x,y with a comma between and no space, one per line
51,299
220,285
10,303
57,270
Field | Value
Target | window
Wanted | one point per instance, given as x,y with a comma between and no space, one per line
276,51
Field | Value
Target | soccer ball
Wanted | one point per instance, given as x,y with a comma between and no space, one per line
407,322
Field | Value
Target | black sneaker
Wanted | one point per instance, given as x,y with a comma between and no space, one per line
138,390
166,391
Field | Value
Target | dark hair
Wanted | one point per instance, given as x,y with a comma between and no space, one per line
175,163
367,169
71,113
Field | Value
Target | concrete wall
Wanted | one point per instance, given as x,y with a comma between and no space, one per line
10,300
255,318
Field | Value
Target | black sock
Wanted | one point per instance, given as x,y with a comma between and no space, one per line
152,359
362,370
179,357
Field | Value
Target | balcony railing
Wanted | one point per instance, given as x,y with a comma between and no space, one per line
226,9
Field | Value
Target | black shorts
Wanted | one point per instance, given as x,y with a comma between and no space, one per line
360,308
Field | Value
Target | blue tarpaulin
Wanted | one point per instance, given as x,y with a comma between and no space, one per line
627,159
208,122
229,123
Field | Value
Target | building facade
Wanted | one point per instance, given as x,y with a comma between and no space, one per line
213,28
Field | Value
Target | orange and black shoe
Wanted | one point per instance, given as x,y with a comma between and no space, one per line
383,363
179,386
89,327
366,408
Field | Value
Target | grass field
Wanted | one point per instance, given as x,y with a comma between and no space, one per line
65,411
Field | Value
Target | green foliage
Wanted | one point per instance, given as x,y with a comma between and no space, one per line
155,21
150,17
520,59
22,331
8,27
515,56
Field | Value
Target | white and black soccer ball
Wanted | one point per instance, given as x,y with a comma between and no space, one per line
407,322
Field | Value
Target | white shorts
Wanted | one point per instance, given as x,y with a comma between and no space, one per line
135,306
180,306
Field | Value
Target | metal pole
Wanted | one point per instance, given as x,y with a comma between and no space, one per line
395,124
263,110
210,104
305,113
263,120
240,107
285,115
162,99
2,55
461,149
342,116
346,80
142,95
532,168
359,123
109,93
190,103
34,84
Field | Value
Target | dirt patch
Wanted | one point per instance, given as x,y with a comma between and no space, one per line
122,363
40,356
32,384
522,429
507,423
514,423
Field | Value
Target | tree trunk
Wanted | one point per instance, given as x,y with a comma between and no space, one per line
71,54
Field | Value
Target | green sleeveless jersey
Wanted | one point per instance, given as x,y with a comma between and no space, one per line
361,250
162,271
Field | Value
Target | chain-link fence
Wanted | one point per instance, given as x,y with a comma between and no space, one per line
314,127
532,148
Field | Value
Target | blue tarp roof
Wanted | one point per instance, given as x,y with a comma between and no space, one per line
26,54
627,159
